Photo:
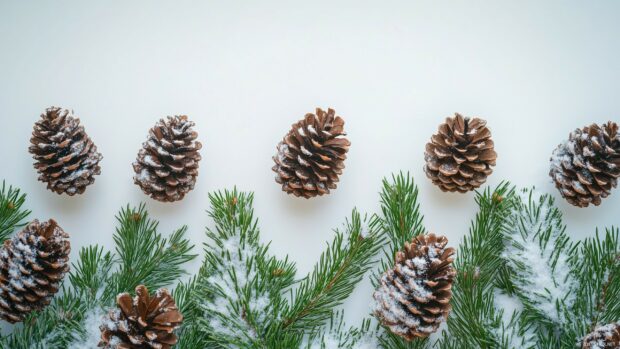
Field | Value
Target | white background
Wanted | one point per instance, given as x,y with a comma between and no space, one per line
245,71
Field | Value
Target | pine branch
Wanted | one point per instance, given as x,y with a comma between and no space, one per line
596,267
537,254
240,286
400,219
11,214
340,268
145,257
474,318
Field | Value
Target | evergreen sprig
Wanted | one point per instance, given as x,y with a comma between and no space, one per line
12,215
143,257
339,269
238,299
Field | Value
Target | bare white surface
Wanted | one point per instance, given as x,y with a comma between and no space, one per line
245,71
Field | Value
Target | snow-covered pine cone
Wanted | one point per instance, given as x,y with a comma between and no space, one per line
311,156
167,165
586,167
460,156
603,337
32,266
65,157
413,298
143,322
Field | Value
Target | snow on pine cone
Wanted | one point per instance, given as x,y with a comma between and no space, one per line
413,298
311,156
167,165
603,337
66,158
142,322
460,156
586,167
32,266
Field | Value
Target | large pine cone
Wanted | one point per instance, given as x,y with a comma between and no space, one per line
413,298
460,156
603,337
167,164
142,322
587,166
32,266
66,158
311,156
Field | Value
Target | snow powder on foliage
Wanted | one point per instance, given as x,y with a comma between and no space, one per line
540,282
227,302
93,319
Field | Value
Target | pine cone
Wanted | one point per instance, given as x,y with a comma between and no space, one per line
142,322
460,156
603,337
311,156
66,158
413,298
587,166
167,164
32,266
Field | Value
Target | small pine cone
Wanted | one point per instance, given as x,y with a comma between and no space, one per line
142,322
586,167
311,156
32,266
603,337
460,156
413,298
167,164
66,158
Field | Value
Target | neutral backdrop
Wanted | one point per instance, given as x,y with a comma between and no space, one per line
245,71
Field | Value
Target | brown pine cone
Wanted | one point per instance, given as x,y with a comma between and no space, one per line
460,156
32,266
311,156
66,158
603,337
167,164
142,322
413,298
586,167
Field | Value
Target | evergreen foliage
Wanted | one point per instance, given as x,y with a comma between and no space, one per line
143,256
12,215
245,298
521,282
